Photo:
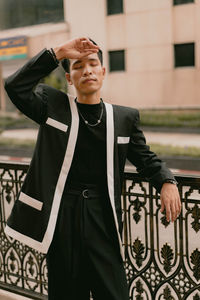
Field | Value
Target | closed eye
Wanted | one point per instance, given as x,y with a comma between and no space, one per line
77,67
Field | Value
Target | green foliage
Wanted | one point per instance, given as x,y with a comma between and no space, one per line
175,118
175,150
15,122
57,80
6,121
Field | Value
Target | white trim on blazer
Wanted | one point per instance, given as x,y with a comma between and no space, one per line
44,245
123,139
30,201
110,167
57,124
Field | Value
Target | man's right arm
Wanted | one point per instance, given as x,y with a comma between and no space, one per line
21,86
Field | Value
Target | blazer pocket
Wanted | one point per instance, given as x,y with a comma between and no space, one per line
123,139
57,124
30,201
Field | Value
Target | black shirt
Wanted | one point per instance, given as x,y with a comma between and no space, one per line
89,161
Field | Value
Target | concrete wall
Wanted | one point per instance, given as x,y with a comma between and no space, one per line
88,18
147,30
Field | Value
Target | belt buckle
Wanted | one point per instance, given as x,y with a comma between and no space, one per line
85,193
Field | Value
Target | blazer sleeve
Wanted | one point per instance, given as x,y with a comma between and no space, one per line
22,87
147,162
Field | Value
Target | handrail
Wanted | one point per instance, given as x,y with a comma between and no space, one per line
162,259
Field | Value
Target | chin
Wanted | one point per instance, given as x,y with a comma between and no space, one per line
90,91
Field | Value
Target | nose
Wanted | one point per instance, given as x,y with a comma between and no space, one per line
87,70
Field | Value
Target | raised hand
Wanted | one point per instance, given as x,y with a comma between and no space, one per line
75,49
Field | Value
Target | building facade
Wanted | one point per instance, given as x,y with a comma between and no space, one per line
151,48
40,23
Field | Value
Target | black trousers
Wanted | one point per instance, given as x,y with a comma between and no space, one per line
84,255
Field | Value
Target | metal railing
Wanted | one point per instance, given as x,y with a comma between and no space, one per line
162,259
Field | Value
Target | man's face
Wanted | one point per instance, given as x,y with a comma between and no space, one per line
86,74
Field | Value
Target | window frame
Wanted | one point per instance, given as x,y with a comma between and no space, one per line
109,10
177,60
183,3
110,62
22,15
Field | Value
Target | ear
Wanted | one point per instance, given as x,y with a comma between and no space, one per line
104,72
68,77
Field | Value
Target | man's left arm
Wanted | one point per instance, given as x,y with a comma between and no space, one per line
151,167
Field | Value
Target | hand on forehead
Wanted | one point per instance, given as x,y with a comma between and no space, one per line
84,45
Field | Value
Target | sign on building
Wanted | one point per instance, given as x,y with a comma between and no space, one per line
13,48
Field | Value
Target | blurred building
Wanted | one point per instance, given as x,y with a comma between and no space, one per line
151,47
26,27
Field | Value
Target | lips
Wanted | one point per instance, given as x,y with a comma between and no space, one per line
89,80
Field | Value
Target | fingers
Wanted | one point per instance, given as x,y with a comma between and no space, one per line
162,206
179,205
168,213
86,48
89,45
172,207
174,212
78,48
170,201
85,45
87,52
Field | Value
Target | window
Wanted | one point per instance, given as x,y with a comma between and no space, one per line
29,12
114,7
177,2
116,60
184,55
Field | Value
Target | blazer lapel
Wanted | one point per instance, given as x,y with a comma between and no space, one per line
110,165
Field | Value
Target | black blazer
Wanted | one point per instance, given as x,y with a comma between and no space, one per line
34,214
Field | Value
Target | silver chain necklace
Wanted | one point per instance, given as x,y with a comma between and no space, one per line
86,121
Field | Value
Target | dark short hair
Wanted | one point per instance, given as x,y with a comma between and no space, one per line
66,62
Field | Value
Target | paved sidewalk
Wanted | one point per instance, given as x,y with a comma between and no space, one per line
4,295
30,134
174,139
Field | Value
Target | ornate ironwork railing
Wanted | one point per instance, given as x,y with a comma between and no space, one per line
162,259
22,269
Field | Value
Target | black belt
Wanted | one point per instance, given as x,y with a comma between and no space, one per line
86,190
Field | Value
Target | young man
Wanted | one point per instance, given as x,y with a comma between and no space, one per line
69,206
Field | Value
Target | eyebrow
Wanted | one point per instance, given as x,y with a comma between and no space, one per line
80,61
